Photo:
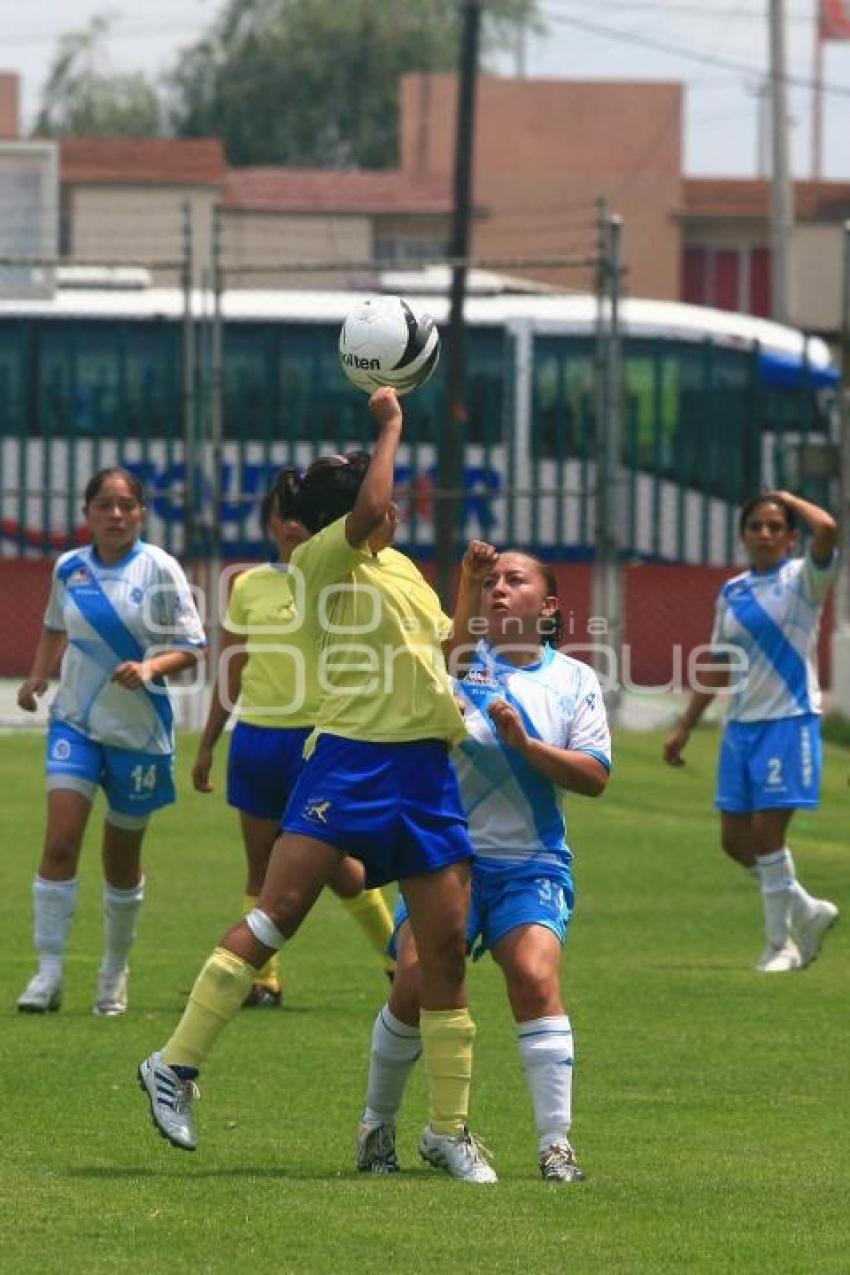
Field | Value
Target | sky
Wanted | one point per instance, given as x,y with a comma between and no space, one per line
717,48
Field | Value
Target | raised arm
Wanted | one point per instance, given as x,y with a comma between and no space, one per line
822,525
376,491
477,562
51,644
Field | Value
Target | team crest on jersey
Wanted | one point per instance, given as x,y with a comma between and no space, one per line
61,750
137,596
79,577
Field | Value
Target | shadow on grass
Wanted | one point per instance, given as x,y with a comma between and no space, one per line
100,1173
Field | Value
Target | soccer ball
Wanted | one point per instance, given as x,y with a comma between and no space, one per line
384,341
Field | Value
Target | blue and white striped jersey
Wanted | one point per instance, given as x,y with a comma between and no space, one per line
774,617
516,818
113,612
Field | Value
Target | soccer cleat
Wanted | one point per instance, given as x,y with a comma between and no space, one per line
462,1155
376,1148
42,995
111,994
170,1097
261,996
779,960
811,932
558,1164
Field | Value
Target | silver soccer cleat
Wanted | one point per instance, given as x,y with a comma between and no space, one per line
170,1097
42,995
376,1148
558,1164
462,1156
111,994
779,960
812,932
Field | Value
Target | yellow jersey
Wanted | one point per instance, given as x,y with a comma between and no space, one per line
378,628
279,686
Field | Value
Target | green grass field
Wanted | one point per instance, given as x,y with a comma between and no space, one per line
711,1103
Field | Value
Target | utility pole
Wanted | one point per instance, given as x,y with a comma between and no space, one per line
781,204
187,396
449,502
606,589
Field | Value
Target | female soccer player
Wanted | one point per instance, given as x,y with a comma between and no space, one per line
767,618
122,612
266,667
537,727
379,785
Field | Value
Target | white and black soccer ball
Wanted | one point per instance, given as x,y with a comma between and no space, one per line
385,341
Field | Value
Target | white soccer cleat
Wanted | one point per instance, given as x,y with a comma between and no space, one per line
111,994
376,1148
811,932
558,1164
42,995
779,960
462,1156
170,1097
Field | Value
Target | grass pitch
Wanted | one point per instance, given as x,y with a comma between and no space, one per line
711,1104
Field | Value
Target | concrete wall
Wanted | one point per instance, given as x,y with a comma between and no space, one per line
138,225
270,238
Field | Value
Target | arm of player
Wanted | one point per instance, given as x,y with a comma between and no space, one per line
822,525
476,564
51,644
569,769
132,674
675,742
226,690
375,495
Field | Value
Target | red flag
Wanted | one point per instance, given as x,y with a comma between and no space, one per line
835,19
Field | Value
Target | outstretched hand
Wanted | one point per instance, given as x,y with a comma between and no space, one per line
385,407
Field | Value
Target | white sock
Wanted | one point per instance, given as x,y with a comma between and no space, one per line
395,1048
776,877
546,1049
120,912
54,904
802,903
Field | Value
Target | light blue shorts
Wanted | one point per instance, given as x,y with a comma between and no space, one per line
502,902
771,765
134,783
395,807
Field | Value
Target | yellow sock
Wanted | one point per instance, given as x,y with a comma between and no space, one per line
447,1036
219,991
371,913
269,975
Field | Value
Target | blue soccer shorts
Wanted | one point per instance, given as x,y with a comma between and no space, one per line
395,807
135,783
262,767
502,902
773,765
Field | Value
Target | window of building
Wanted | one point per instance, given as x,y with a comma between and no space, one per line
731,277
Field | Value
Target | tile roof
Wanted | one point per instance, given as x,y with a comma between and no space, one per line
165,161
328,190
727,197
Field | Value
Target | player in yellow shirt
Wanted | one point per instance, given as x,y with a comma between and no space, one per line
269,668
378,785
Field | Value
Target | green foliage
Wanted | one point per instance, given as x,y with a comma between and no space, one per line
314,83
710,1102
81,99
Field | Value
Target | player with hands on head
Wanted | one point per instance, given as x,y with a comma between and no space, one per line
122,613
765,638
377,784
537,729
268,667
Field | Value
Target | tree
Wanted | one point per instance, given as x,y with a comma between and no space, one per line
314,83
80,99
